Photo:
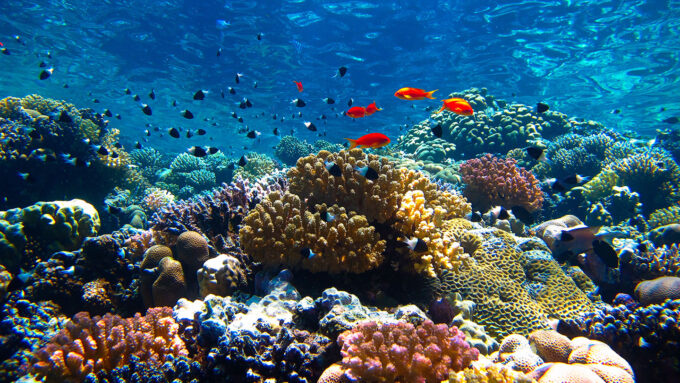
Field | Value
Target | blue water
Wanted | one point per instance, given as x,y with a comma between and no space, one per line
584,58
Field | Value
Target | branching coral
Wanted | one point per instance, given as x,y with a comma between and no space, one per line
492,181
103,343
403,352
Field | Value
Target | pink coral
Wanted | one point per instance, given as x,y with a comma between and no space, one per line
493,181
402,352
103,343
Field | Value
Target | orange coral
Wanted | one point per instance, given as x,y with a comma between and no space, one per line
89,345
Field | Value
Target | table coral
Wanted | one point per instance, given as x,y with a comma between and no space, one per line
492,181
89,345
401,351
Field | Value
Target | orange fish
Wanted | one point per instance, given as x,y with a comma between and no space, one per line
371,108
457,106
414,94
371,140
356,112
299,85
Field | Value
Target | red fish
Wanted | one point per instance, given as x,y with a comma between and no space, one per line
371,140
414,94
299,85
457,106
371,108
356,112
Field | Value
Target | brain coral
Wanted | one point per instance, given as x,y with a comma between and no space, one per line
514,290
403,352
658,290
492,181
88,345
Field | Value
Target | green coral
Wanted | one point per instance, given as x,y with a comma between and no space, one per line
290,148
258,166
186,163
56,226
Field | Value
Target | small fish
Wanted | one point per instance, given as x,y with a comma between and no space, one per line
356,112
146,109
118,145
152,94
42,64
45,73
582,239
475,216
307,253
416,244
298,102
298,84
242,105
536,153
242,161
350,101
189,134
173,132
102,150
575,179
219,52
248,103
329,100
212,150
253,134
341,71
327,217
127,91
201,132
310,126
108,113
174,103
259,36
26,176
237,78
118,116
255,84
524,215
276,131
458,106
499,212
367,172
414,94
187,114
437,130
147,132
671,120
371,140
200,95
372,108
240,119
95,100
556,185
138,145
197,151
5,51
542,107
232,90
333,169
114,155
606,252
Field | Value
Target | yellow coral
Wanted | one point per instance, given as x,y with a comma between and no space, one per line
280,228
492,373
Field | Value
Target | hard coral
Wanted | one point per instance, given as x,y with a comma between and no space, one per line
492,181
89,345
403,352
658,290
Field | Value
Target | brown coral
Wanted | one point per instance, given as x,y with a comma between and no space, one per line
658,290
89,345
170,284
280,228
192,250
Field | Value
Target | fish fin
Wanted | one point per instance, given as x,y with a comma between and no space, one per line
353,143
442,109
429,94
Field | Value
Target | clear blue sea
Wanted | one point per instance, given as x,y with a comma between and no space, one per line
583,58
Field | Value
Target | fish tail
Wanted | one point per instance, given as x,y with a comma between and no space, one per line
353,143
429,94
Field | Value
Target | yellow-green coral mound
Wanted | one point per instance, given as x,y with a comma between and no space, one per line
515,291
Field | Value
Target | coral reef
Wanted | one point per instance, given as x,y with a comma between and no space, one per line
88,345
48,140
290,148
644,336
402,351
258,166
491,181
